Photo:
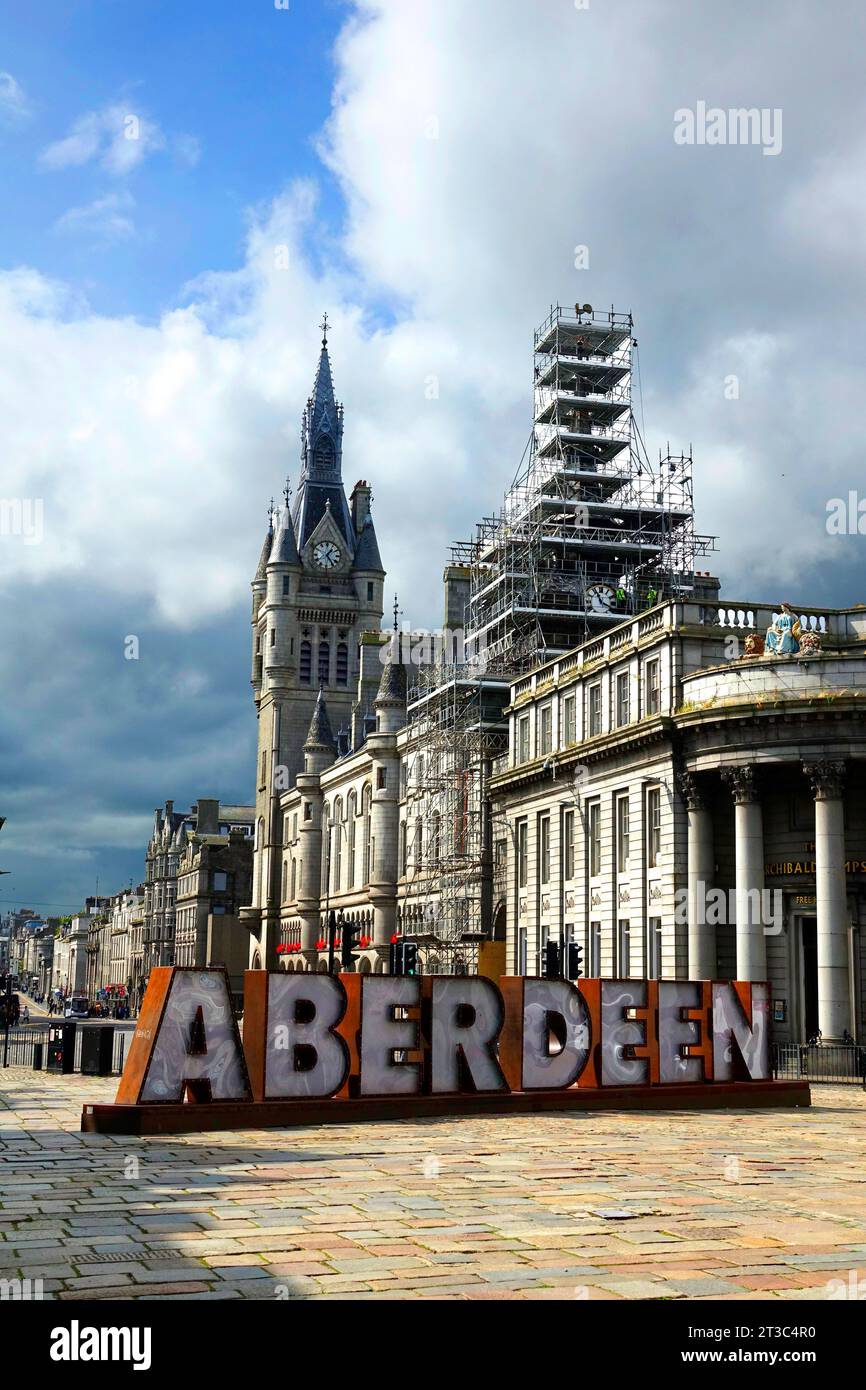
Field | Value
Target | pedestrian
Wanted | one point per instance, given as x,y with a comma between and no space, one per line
26,1014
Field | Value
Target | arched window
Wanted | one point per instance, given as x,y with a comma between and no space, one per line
285,874
367,798
294,879
337,845
403,864
419,842
326,846
305,669
342,664
324,662
352,818
435,840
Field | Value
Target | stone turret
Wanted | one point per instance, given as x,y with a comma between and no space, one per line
391,696
320,746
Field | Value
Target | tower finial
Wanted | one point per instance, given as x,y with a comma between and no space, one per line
324,327
287,491
271,510
396,612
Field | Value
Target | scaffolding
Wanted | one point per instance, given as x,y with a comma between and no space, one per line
456,734
589,533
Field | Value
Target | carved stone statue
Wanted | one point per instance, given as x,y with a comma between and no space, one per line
753,644
783,635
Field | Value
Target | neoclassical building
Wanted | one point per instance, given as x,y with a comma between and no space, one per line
687,804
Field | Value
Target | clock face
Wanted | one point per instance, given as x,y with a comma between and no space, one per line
601,598
326,555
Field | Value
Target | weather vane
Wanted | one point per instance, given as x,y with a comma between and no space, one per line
324,327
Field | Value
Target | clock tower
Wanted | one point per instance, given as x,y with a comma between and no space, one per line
318,587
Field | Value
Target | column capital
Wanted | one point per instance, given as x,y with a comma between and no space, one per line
691,789
826,776
741,782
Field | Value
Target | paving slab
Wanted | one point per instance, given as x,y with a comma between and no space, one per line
543,1207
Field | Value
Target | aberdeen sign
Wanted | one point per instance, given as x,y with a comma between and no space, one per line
321,1049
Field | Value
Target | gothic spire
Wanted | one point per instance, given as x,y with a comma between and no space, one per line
323,422
320,734
321,477
284,550
261,572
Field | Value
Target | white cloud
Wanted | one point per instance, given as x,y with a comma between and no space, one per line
105,219
14,105
468,184
118,137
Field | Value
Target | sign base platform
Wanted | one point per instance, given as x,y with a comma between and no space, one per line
196,1117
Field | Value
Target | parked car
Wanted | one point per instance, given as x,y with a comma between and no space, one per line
77,1008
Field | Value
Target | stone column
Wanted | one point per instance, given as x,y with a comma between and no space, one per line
312,846
701,868
749,851
385,840
834,993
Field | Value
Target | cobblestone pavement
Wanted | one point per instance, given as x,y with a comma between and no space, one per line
763,1205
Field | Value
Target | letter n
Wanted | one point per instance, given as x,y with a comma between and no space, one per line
741,1038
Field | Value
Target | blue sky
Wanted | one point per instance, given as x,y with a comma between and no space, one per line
426,173
248,83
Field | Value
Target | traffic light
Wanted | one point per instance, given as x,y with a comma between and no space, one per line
404,957
348,954
395,960
574,961
551,960
410,958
